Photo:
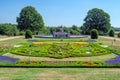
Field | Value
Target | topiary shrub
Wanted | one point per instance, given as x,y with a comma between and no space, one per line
111,33
119,34
28,34
94,34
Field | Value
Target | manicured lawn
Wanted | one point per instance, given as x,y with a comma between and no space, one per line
59,73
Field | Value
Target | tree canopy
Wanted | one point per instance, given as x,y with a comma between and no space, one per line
96,19
8,29
29,18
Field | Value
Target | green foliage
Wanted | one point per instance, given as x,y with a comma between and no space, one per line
22,33
62,50
9,29
59,63
29,18
94,34
96,19
119,35
111,33
74,30
28,34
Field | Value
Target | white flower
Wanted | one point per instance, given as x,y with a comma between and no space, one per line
104,46
17,45
88,52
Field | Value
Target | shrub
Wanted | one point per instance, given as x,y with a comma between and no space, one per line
94,34
111,33
119,34
28,34
22,33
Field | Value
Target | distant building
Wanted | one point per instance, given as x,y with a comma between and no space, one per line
61,34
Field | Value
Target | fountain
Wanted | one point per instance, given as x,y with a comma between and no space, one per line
60,34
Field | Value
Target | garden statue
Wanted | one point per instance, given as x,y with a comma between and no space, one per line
61,34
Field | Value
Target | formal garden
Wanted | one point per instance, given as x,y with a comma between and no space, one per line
42,52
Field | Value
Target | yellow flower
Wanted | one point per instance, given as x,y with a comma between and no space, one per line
41,43
80,43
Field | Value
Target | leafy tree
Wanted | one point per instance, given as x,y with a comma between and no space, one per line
29,18
94,34
111,33
3,29
96,19
9,29
74,27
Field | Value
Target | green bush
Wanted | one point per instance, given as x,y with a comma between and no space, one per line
111,33
119,34
94,34
22,33
28,34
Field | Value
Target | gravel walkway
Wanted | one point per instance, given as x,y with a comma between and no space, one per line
112,38
3,39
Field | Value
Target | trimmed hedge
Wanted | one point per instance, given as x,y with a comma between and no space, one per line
111,33
28,34
119,35
94,34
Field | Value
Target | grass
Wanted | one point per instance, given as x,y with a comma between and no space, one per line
3,36
110,42
59,74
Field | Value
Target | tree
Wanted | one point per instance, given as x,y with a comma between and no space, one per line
94,34
29,18
111,33
96,19
9,29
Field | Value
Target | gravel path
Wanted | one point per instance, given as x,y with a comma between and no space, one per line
3,39
112,38
93,58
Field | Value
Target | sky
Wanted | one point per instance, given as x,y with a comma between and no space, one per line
60,12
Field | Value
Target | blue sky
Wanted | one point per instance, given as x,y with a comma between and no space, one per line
60,12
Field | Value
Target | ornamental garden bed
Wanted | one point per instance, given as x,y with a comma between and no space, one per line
60,50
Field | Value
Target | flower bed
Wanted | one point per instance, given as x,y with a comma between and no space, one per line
61,49
4,49
58,63
75,43
4,60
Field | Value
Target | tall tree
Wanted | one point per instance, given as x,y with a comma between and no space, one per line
96,19
29,18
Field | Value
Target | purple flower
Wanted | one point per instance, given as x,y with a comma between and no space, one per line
8,59
115,60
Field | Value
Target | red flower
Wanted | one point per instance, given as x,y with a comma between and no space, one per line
86,63
33,62
24,62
